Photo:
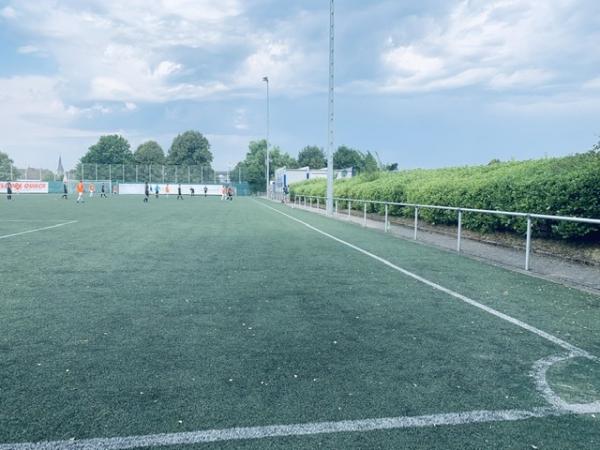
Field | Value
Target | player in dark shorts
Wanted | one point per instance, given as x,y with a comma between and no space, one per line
230,193
179,196
65,191
103,191
192,192
146,192
205,190
9,191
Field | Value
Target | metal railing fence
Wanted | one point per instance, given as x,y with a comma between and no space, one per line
311,201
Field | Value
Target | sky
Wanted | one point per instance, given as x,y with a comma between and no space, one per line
424,83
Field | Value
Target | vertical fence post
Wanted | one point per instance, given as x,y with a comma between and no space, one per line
96,172
201,174
349,208
318,203
385,223
150,173
136,173
189,176
123,166
176,175
458,237
163,174
336,206
416,221
365,214
310,202
528,243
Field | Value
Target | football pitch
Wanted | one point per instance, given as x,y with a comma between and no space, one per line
205,324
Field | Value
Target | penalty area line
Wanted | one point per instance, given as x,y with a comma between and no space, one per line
549,337
305,429
6,236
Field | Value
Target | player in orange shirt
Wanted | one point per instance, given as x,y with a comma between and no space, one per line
92,189
80,190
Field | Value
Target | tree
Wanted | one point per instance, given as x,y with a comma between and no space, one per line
346,157
253,166
190,149
313,157
112,149
149,153
370,163
391,167
6,164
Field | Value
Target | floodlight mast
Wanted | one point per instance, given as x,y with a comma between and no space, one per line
268,186
330,127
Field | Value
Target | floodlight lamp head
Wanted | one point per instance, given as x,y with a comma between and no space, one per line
266,79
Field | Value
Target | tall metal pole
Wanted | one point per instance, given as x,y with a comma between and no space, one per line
266,80
330,128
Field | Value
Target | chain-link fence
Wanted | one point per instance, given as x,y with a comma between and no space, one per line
127,173
154,173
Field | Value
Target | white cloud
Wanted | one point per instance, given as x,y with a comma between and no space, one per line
240,121
592,84
166,68
498,44
521,78
28,49
8,12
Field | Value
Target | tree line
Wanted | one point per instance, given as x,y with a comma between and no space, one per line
254,165
192,148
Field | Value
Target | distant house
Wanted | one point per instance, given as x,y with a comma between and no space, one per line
285,176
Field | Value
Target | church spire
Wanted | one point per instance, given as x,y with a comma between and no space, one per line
60,170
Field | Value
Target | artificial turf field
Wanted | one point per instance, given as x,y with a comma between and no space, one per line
178,322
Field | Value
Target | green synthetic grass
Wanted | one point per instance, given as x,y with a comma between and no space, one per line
198,314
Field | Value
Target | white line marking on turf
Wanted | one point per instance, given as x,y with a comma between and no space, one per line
571,348
37,229
346,426
539,371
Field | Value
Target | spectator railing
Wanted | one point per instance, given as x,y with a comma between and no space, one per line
308,201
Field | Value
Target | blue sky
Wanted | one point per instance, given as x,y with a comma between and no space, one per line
427,83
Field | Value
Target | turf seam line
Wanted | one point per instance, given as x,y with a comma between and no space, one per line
272,431
549,337
6,236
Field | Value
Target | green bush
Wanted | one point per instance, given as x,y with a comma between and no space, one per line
568,186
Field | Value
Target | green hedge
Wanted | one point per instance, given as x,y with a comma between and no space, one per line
568,186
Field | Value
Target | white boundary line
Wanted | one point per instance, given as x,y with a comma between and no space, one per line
549,337
6,236
233,434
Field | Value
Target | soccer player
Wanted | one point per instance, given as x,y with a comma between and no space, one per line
223,192
230,193
192,192
146,192
103,191
92,189
168,190
156,190
179,196
80,191
9,191
65,191
205,190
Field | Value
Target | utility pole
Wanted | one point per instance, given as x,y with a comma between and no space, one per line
266,80
330,126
